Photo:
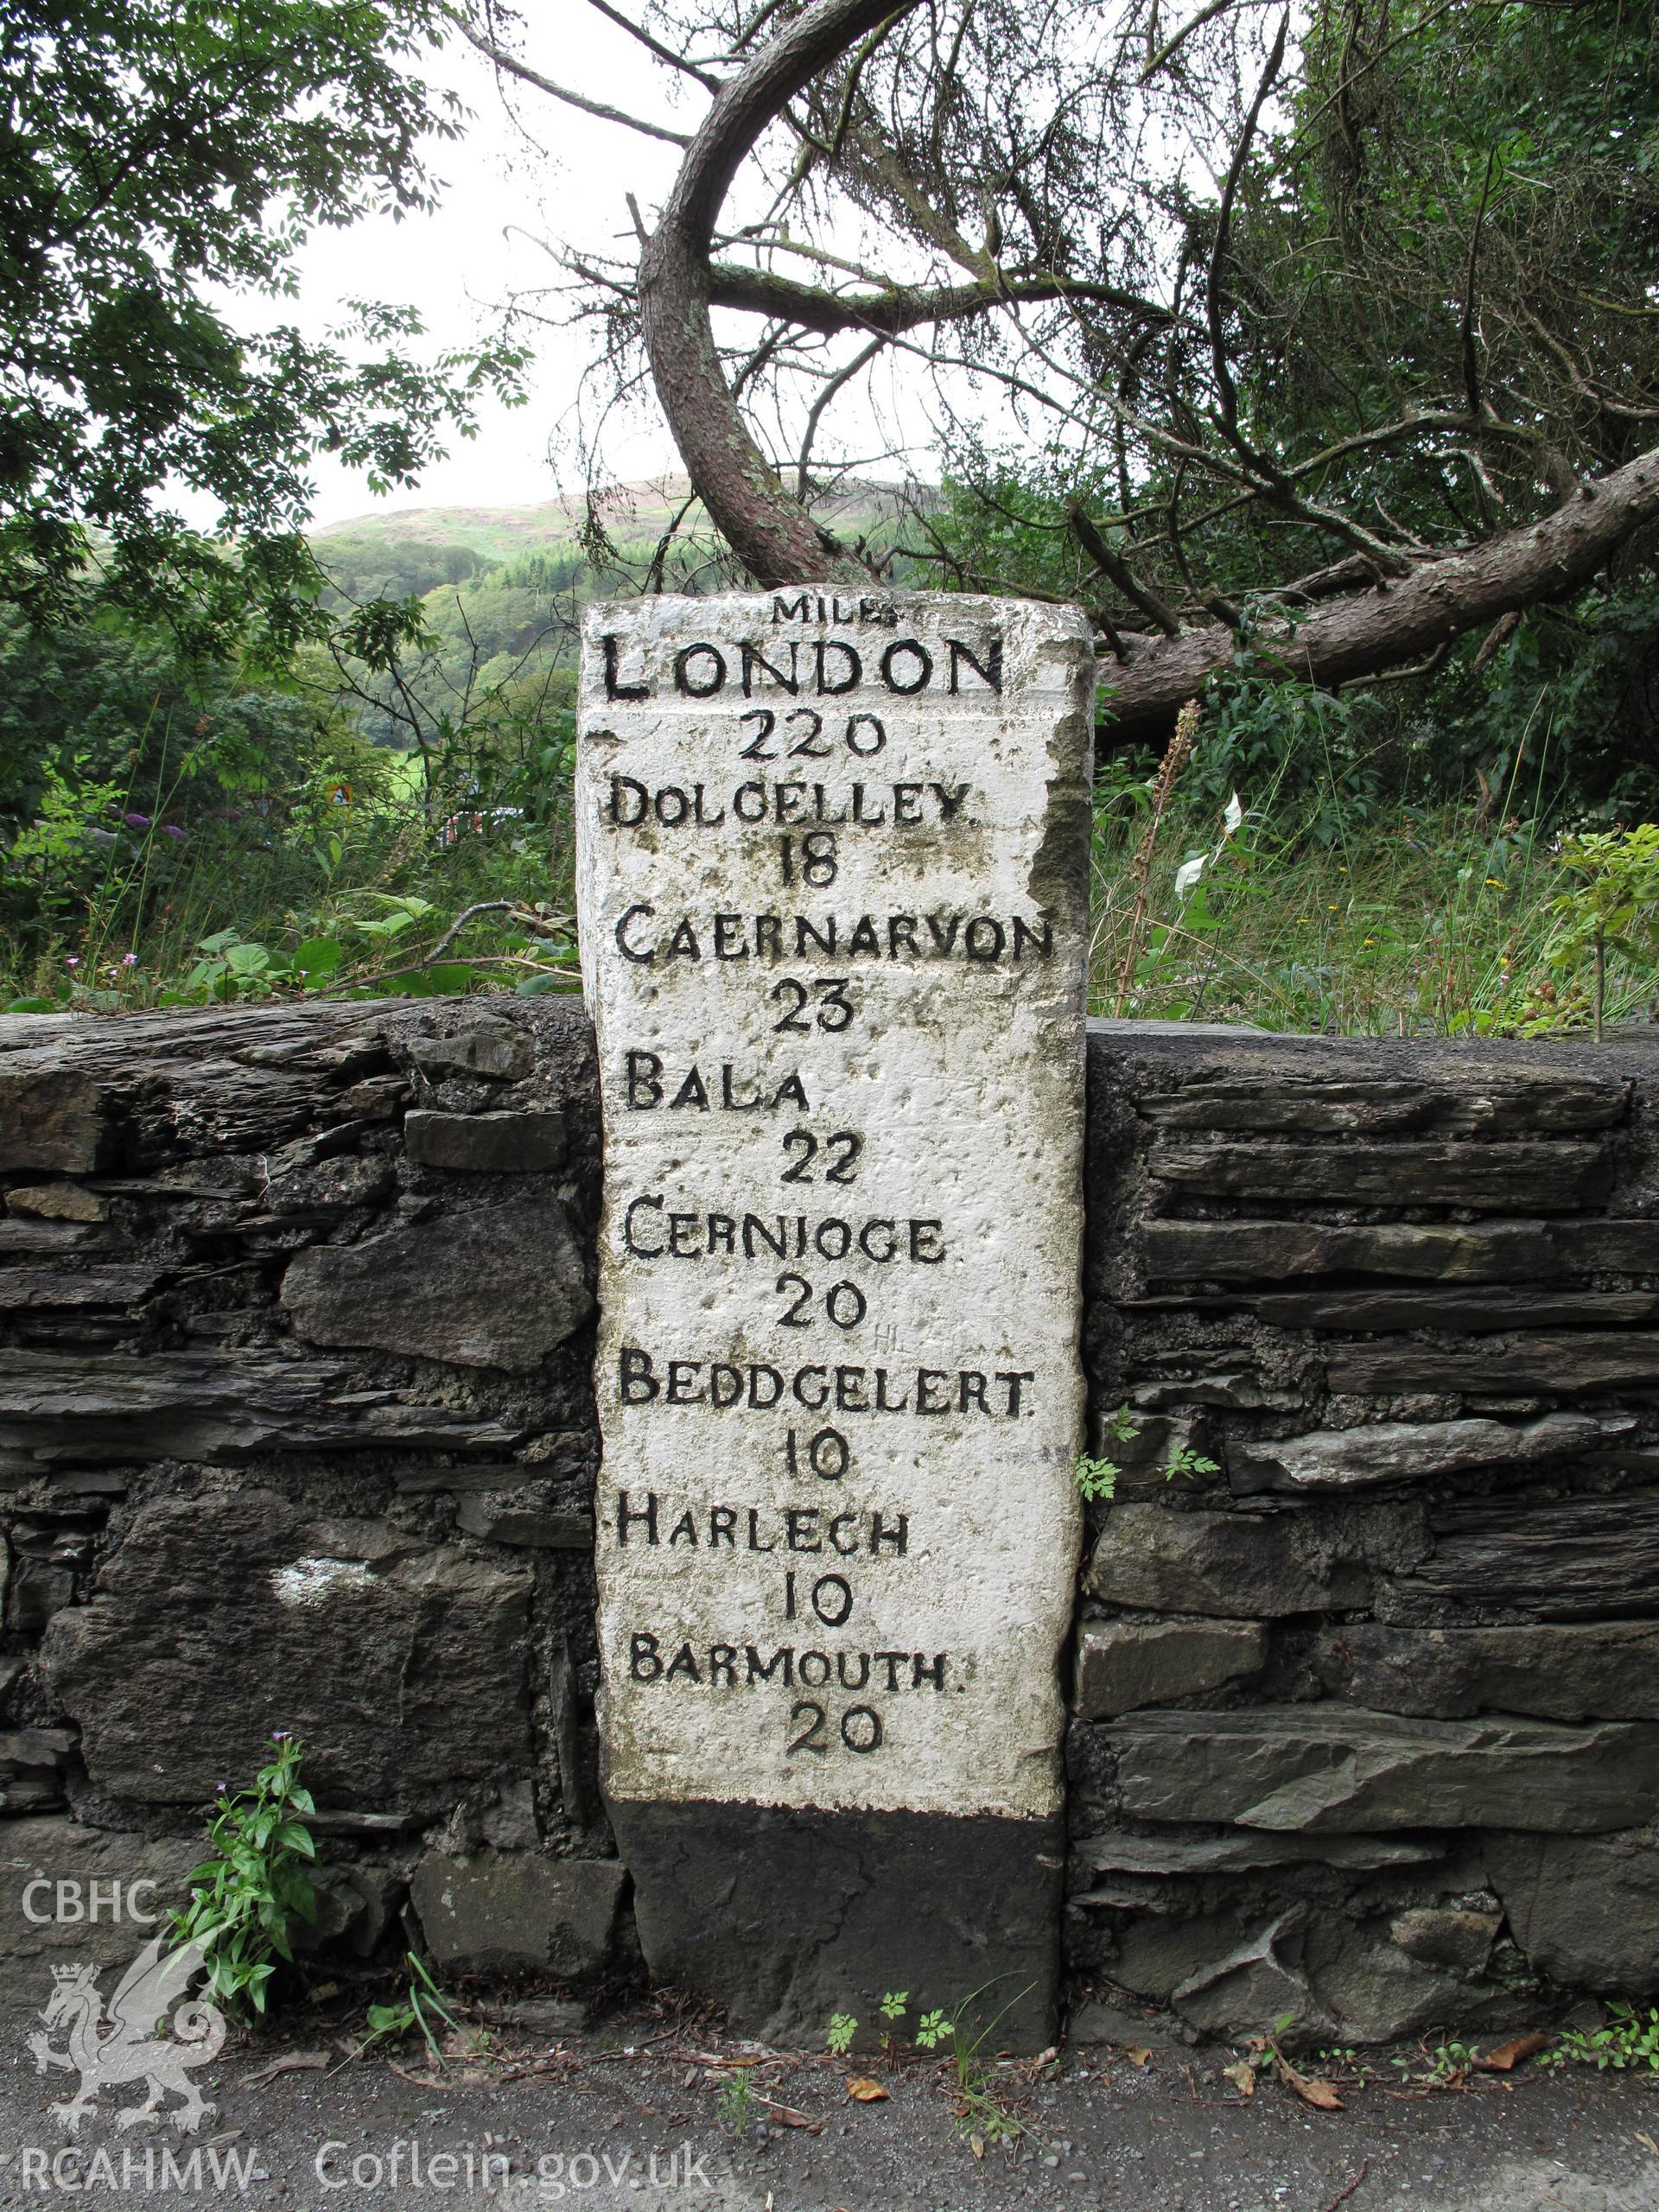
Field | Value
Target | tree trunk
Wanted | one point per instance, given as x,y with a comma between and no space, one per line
770,532
1399,621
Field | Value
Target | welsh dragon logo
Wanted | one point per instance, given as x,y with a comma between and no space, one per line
152,2033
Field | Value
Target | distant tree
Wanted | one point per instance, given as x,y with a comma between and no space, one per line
160,159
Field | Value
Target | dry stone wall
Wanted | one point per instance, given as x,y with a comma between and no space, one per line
297,1430
1365,1705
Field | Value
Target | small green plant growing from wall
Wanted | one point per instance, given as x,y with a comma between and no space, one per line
1183,1460
1628,2042
422,1998
1097,1479
245,1899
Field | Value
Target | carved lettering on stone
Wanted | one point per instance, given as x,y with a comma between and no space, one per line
833,913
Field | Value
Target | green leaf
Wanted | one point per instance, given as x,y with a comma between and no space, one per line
318,956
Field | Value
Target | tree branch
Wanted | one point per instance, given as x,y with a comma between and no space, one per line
771,533
758,291
523,71
1112,565
663,52
1407,618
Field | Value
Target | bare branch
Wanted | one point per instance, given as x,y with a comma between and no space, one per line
1111,564
758,291
663,52
513,68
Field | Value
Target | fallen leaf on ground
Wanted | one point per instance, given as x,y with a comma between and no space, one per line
865,2091
291,2062
1321,2094
1647,2143
323,1992
977,2145
1242,2077
1137,2054
787,2116
1508,2055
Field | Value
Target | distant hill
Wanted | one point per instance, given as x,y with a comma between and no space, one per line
502,589
634,518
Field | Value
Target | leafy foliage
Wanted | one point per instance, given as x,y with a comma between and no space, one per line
244,1899
157,161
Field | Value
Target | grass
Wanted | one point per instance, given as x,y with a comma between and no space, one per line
1413,922
1393,920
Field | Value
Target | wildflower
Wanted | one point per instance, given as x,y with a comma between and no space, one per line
138,821
1333,908
1495,883
71,962
128,960
172,830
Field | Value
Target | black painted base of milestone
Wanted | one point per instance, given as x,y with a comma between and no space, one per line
783,1917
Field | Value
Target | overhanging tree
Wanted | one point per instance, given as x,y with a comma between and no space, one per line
1344,348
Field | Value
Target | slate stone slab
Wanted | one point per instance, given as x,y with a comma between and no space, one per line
1272,1252
99,1283
54,1850
1579,1559
1123,1665
51,1117
216,1407
785,1915
499,1286
567,1532
1476,1310
1243,1851
493,1049
403,1666
1237,1566
487,1144
503,1912
1584,1911
1307,1106
1567,1364
1326,1766
1440,1936
1398,1452
1538,1177
1603,1670
33,1762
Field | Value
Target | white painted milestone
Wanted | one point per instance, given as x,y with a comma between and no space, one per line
834,932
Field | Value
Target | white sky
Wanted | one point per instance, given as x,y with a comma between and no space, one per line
454,264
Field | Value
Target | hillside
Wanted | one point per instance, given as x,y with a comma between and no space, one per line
415,549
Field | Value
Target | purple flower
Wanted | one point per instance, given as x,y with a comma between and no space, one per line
138,821
71,962
128,960
172,830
